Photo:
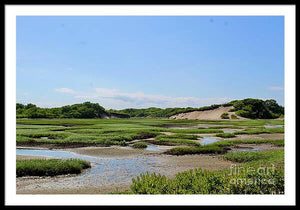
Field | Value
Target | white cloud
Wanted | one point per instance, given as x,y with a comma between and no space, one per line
276,88
115,99
64,90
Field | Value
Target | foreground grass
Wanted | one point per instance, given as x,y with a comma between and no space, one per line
263,174
262,156
51,167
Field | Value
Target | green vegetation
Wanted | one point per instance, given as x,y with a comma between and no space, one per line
84,110
139,145
233,116
225,115
257,109
226,135
260,130
258,176
249,108
157,112
176,139
220,147
51,167
227,143
206,149
242,157
179,136
195,131
103,132
241,123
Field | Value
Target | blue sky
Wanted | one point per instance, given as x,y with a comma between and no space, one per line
143,61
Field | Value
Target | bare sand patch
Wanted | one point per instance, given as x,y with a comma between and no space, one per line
214,114
31,186
169,165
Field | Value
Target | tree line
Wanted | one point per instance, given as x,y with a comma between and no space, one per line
83,110
248,108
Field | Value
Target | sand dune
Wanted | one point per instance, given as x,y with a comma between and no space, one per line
214,114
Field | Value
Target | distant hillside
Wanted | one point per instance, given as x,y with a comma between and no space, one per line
247,108
213,114
238,109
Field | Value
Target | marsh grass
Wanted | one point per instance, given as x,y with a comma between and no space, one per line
226,135
178,139
206,149
220,147
103,132
139,145
260,131
195,131
226,181
227,143
262,157
179,136
50,167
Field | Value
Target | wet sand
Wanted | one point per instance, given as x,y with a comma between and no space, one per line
117,179
111,152
29,157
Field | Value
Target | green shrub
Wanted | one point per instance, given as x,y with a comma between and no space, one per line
258,109
200,181
233,116
225,115
188,182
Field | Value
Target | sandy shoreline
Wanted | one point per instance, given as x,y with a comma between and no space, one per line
29,157
73,184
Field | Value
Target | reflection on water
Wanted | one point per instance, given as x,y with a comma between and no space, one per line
208,140
151,147
103,171
273,126
247,149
